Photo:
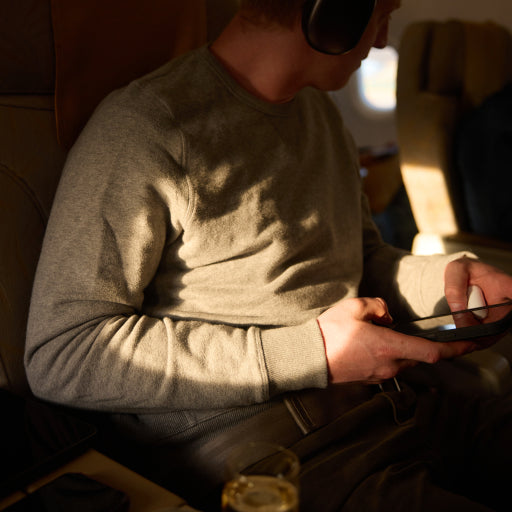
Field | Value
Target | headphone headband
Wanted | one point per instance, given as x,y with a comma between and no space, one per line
335,26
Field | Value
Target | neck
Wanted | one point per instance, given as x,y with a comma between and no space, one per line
266,61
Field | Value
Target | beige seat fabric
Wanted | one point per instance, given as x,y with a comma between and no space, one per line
446,69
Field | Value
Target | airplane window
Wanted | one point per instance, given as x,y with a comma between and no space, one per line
377,79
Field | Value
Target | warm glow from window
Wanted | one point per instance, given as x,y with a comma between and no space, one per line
430,200
377,79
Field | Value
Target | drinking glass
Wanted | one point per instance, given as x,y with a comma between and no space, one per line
261,477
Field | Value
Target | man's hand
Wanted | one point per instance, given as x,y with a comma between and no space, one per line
359,348
463,272
496,287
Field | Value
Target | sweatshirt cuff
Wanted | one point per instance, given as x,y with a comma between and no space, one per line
294,357
433,283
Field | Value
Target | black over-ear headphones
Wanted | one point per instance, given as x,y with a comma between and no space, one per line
335,26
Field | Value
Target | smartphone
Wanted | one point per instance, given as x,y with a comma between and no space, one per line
481,322
37,438
75,492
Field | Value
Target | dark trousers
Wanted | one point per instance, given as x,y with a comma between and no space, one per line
411,452
365,451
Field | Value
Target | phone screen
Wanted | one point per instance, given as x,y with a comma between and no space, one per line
462,325
74,492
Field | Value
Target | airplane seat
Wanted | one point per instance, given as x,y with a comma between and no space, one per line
446,71
58,59
30,164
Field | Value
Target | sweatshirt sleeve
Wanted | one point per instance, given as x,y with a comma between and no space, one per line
412,285
89,344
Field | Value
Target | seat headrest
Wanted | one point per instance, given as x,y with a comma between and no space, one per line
445,67
453,58
27,59
102,45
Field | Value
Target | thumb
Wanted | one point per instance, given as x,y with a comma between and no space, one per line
456,279
379,312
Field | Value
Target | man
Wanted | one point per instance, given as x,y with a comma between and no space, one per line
209,272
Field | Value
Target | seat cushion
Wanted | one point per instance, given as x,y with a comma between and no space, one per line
21,233
30,166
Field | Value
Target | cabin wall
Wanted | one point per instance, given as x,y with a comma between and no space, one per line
375,129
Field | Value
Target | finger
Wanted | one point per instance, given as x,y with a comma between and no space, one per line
407,363
422,350
498,313
465,319
488,341
456,280
375,309
452,349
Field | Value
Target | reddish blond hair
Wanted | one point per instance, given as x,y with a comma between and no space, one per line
282,12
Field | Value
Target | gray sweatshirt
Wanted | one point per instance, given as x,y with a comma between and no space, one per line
196,235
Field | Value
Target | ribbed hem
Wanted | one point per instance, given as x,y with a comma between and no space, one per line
295,357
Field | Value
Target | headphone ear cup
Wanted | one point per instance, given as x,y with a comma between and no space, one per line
335,26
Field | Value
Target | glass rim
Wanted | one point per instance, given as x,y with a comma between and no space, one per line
252,457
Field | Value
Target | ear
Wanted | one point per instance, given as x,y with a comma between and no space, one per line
335,26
